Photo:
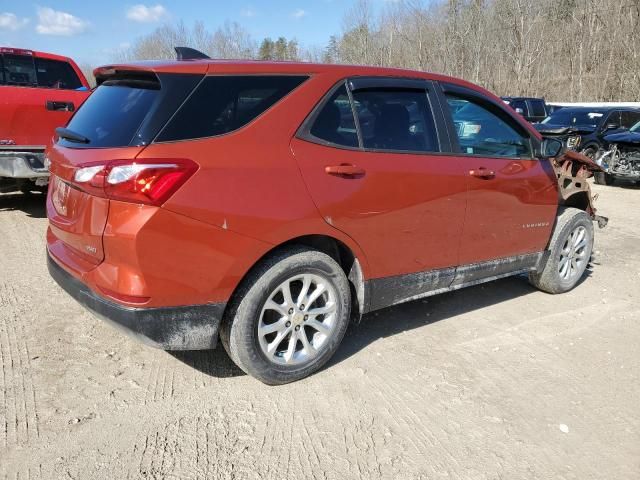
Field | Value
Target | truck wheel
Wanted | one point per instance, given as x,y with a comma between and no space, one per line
289,317
603,178
569,253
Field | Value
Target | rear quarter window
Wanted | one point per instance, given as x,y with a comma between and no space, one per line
223,104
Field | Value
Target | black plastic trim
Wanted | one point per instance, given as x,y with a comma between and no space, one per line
192,327
388,291
186,53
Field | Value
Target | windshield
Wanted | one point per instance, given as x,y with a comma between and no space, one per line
568,117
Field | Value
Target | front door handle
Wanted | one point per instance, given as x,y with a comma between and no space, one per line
60,106
483,173
345,170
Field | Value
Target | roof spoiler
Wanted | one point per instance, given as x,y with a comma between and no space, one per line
186,53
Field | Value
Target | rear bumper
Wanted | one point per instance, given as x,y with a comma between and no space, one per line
193,327
22,164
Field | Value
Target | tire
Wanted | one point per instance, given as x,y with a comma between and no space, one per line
603,178
590,152
573,227
270,357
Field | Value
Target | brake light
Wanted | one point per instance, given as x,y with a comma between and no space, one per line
150,182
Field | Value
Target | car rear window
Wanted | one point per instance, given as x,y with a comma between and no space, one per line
18,70
223,104
129,110
56,74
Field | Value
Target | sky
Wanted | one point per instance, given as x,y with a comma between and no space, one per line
91,31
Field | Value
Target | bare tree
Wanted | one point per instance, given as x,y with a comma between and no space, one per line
560,49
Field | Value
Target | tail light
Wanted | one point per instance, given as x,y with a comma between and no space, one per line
151,182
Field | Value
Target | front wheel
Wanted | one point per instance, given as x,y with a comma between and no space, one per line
569,253
289,316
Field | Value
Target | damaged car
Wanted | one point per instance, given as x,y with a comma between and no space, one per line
620,159
583,129
266,205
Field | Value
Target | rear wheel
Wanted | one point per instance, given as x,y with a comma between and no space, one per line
603,178
289,316
570,252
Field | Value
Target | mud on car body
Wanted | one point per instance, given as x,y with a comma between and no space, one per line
267,204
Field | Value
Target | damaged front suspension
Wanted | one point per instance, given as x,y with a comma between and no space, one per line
572,170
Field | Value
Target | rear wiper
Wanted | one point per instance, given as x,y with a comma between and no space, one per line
71,135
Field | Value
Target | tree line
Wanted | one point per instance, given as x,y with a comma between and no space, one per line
564,50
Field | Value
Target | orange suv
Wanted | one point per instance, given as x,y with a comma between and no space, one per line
269,203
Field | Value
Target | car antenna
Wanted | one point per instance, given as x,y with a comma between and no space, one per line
186,53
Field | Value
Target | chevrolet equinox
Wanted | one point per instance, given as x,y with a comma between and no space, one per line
269,203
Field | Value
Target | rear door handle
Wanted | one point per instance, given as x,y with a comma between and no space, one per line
345,170
482,172
60,106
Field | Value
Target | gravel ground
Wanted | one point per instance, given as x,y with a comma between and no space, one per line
495,381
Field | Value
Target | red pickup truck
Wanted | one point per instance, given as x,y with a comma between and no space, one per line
38,92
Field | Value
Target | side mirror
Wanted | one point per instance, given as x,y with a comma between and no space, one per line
611,126
551,147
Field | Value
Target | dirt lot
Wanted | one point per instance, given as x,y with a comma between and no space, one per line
496,381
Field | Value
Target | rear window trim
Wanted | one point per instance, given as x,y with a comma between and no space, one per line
155,140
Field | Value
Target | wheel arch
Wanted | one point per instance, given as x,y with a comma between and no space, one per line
347,256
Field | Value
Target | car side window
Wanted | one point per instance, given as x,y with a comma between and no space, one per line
19,70
482,132
537,108
613,119
396,119
225,103
519,104
335,122
56,74
629,119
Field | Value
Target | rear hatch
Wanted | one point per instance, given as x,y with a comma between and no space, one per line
104,137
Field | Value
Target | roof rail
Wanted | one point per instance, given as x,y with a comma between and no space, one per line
186,53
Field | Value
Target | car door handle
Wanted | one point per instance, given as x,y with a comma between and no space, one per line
482,172
345,170
60,106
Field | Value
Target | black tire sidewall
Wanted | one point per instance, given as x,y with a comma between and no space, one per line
244,343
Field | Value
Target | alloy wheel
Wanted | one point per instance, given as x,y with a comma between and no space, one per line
574,255
298,320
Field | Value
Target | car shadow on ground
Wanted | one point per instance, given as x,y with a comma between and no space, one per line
387,322
215,363
33,204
